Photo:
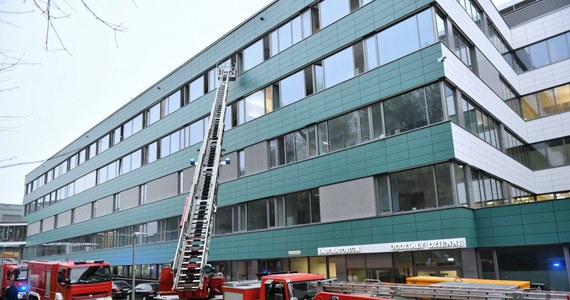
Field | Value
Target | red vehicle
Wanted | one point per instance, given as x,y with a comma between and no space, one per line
14,273
50,280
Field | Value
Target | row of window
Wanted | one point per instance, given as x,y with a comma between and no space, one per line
164,230
281,211
13,233
538,156
310,21
543,103
546,52
439,185
390,44
170,144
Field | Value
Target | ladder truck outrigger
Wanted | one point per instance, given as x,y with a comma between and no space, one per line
190,276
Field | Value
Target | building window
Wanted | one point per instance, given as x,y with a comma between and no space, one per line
241,162
197,88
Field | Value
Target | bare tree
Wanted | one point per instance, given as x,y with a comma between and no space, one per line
53,12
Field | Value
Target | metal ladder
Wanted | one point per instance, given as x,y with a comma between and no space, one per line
410,291
197,218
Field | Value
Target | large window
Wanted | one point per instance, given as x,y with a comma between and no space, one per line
252,55
540,54
546,102
338,67
292,89
332,10
406,37
421,188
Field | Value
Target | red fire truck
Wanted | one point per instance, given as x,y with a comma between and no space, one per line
50,280
14,273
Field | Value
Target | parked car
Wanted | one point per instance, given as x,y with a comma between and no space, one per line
146,291
121,289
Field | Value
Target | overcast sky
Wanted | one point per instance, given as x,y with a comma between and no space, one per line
58,96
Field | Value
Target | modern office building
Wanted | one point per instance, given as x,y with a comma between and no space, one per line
12,231
369,139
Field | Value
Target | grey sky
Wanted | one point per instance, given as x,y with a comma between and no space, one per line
63,95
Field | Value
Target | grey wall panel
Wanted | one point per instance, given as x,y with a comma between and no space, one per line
82,213
187,176
64,219
488,73
130,198
162,188
379,260
256,158
48,224
104,206
348,200
356,261
33,228
229,172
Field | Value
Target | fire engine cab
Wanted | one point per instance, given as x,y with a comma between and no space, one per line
14,273
51,280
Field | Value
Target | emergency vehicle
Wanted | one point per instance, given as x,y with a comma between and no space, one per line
14,273
78,280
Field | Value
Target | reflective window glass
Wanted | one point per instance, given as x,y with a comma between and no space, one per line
556,153
285,36
371,52
434,103
196,132
292,88
174,102
197,88
343,131
274,42
539,55
153,114
563,97
443,181
152,152
137,123
297,29
339,67
413,189
301,145
254,106
405,112
398,40
289,144
546,103
257,215
175,142
377,121
164,147
426,29
383,194
253,55
558,48
297,208
306,23
332,10
530,107
136,159
538,156
224,220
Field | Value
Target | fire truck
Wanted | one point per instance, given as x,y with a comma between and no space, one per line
77,280
15,273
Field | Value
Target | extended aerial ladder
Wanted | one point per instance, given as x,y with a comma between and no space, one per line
189,265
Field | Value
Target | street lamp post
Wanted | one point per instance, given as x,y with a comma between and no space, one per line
135,235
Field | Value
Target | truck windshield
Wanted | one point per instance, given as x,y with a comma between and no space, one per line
81,275
23,275
303,290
